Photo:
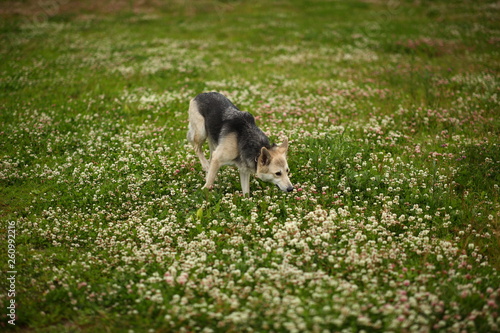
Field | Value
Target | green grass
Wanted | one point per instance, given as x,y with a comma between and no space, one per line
392,114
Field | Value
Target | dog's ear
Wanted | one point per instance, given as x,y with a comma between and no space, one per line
265,156
284,146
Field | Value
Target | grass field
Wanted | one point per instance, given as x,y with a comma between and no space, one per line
393,117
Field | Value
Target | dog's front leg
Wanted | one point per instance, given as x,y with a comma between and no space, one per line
212,172
245,181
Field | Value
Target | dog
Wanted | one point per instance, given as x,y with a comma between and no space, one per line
234,139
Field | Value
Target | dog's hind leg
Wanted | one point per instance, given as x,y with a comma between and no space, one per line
197,133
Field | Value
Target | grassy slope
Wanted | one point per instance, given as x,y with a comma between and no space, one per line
392,112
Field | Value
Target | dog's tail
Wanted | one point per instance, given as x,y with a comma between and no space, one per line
196,133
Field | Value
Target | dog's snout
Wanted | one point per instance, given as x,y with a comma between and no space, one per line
285,189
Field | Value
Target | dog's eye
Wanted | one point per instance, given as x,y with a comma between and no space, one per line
278,173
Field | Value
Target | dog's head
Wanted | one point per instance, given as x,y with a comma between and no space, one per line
273,167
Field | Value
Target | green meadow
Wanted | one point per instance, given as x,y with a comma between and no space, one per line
392,113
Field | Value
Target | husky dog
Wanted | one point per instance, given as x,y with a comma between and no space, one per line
234,139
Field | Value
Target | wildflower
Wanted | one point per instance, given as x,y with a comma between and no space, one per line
182,278
169,278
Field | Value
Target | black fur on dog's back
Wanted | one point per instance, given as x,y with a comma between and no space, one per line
212,106
223,117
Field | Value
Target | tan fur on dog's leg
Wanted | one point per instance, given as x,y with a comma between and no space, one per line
245,181
224,154
212,172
